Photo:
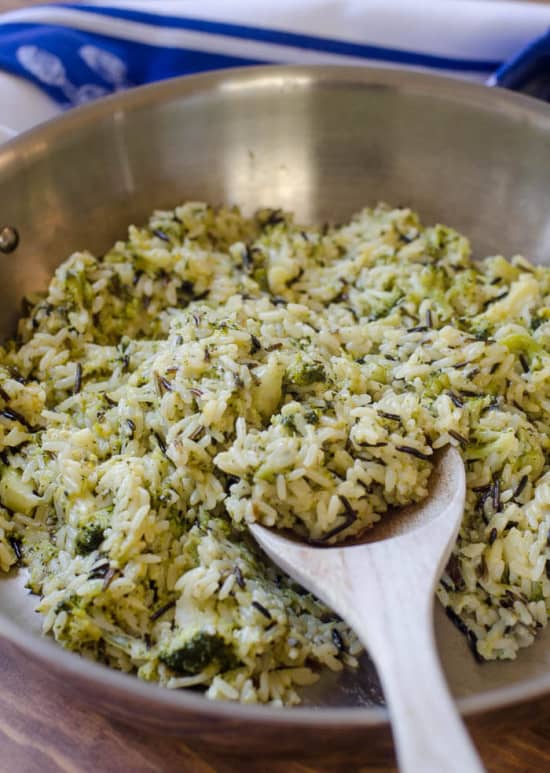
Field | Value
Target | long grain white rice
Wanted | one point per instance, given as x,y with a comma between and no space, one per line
215,369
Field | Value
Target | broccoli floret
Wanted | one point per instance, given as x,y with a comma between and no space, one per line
289,423
68,603
305,373
476,326
191,656
537,593
384,304
89,538
312,417
444,242
259,275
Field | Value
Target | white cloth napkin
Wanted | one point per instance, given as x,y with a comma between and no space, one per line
78,52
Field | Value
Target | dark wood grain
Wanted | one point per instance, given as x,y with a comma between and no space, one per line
43,730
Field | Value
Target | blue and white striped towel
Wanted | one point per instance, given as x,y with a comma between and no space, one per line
77,52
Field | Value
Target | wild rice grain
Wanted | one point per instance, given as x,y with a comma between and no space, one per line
262,610
302,382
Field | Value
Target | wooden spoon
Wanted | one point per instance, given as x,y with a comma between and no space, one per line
384,588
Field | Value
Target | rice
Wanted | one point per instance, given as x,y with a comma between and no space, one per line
213,370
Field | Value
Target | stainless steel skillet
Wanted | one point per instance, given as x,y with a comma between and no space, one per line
322,142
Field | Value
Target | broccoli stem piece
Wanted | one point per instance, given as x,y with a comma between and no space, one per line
193,655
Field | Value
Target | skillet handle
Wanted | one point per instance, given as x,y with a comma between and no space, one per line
528,71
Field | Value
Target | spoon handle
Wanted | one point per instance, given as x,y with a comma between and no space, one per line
429,734
384,589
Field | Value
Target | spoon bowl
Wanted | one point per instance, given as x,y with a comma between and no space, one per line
383,587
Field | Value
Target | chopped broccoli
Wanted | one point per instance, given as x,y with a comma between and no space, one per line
67,603
442,242
519,341
478,326
312,417
537,593
89,538
289,423
305,373
384,304
260,277
193,655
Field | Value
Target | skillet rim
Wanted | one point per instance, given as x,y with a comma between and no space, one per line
22,148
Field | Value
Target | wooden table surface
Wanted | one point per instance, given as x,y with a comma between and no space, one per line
43,730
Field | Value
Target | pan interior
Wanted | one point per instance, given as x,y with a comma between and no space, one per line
321,142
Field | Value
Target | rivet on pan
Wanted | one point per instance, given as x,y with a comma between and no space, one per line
9,239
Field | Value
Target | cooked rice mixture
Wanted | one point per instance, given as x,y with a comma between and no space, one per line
215,369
